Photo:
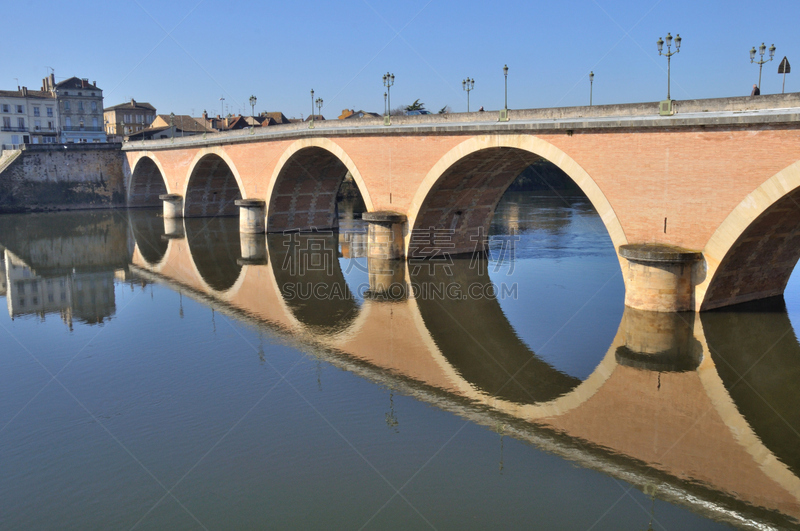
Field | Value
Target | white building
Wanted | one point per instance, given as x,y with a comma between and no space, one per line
80,109
27,117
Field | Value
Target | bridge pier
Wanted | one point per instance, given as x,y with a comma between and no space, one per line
658,341
173,205
387,280
253,249
385,235
173,228
252,215
659,278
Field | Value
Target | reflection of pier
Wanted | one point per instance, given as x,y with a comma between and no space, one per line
663,410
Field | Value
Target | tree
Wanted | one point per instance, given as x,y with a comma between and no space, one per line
416,106
445,110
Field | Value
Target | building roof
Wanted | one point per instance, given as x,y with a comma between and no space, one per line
184,122
76,83
31,94
277,117
316,117
133,104
361,114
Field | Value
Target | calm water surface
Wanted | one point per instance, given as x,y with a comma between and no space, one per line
176,376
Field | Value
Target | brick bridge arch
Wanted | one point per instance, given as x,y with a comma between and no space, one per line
212,185
753,252
147,181
301,194
445,199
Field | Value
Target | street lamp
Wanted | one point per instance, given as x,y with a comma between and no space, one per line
591,87
319,106
761,50
384,104
171,126
468,84
312,110
504,112
252,114
669,54
388,81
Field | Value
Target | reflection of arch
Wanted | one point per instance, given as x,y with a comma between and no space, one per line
212,185
753,252
469,203
148,229
476,339
147,181
758,363
310,281
302,191
215,249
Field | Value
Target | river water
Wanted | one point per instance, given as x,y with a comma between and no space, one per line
176,376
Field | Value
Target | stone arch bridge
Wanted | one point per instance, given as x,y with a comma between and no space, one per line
702,205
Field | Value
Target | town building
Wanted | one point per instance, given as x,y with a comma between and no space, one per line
27,117
169,126
127,118
80,109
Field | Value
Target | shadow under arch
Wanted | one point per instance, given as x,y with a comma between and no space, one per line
310,280
148,232
302,191
460,193
475,337
215,248
147,182
213,186
757,358
753,252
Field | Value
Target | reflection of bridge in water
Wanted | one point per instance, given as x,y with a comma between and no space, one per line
677,406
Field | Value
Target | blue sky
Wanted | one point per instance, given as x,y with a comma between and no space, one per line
182,56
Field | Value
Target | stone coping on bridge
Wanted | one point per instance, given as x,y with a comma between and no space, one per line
657,252
721,112
250,203
384,216
170,197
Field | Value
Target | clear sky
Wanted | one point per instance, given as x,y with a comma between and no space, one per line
182,56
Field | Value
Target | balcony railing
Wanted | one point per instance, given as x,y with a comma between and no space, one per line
15,129
81,128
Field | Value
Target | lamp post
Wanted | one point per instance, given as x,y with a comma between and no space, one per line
312,110
384,104
591,87
221,106
669,54
761,50
388,81
319,106
171,125
253,100
505,74
468,84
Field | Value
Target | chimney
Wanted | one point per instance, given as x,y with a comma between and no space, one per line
94,83
24,92
205,115
133,102
84,82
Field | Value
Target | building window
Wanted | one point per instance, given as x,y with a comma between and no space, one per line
80,93
94,122
6,122
50,112
126,118
21,123
80,105
139,118
94,105
66,93
38,125
6,108
68,121
36,111
20,109
50,125
66,105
